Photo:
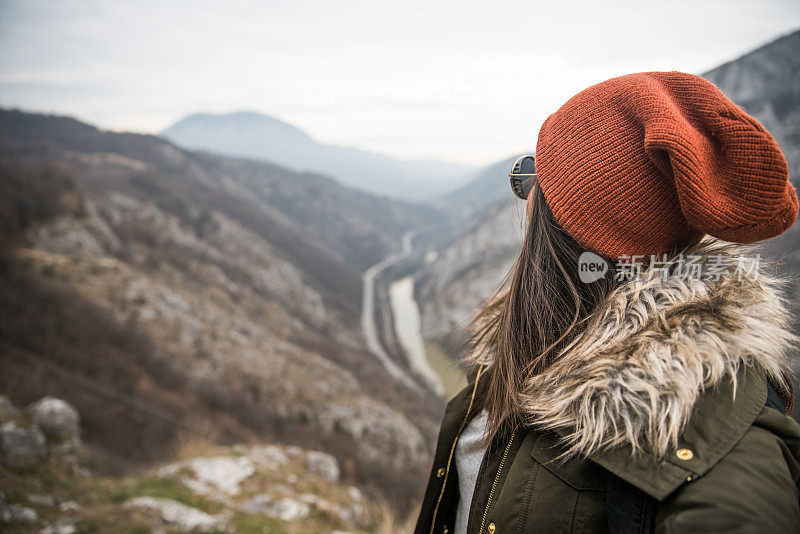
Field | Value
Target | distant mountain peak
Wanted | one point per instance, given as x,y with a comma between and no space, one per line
243,121
258,136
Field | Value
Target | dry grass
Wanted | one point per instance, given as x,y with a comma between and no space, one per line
391,522
451,375
195,447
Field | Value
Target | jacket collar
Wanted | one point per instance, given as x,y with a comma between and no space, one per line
655,345
720,418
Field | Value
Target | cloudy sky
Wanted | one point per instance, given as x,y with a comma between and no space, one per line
467,80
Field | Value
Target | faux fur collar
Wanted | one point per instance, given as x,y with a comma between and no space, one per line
652,348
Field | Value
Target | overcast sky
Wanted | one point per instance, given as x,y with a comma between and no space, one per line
468,81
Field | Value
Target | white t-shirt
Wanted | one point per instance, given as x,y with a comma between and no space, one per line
469,456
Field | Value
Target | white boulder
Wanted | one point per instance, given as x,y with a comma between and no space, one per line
57,419
185,518
60,528
220,473
285,509
16,513
323,464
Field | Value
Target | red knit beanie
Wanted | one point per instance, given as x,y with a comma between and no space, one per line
642,163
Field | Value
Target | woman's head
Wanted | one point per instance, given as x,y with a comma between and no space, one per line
643,164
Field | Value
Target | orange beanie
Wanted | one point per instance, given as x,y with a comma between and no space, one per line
642,163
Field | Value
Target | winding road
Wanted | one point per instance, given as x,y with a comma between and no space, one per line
368,312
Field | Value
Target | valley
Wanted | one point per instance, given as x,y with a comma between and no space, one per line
172,296
205,301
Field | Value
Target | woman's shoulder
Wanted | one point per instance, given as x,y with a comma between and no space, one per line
737,453
751,488
719,419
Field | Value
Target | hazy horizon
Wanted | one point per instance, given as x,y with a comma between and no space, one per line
454,82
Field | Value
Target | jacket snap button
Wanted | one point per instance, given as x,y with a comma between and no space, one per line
684,454
440,472
491,528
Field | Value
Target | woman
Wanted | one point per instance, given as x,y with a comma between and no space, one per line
632,375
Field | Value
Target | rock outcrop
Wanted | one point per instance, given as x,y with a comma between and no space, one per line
21,446
468,270
266,484
56,418
48,426
323,465
185,518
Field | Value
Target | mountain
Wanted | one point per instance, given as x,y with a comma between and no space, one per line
260,137
488,185
766,82
180,296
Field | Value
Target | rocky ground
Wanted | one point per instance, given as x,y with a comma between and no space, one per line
45,488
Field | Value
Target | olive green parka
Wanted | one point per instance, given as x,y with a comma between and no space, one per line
663,396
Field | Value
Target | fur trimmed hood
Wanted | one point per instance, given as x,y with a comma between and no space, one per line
654,345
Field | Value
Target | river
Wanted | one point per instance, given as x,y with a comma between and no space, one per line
427,361
407,326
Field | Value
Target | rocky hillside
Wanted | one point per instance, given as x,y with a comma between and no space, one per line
766,82
258,136
238,489
469,269
172,295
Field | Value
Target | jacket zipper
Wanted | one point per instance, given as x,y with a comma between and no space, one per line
453,448
497,477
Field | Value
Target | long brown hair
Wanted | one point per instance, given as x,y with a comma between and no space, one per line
539,308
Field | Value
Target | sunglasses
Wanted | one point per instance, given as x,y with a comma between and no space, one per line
523,175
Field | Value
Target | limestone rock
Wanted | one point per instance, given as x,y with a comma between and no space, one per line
270,456
21,446
348,515
185,518
57,419
323,464
41,500
69,506
16,513
285,509
60,528
220,473
216,477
